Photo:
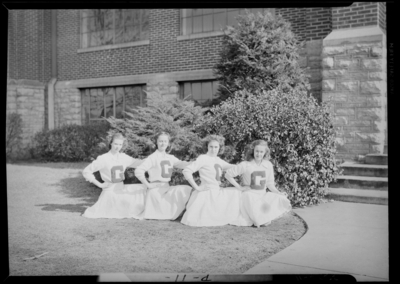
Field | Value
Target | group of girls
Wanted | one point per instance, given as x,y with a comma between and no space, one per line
206,204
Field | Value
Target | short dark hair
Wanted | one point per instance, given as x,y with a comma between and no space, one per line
249,150
118,136
219,139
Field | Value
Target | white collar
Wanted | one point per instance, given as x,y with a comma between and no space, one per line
264,163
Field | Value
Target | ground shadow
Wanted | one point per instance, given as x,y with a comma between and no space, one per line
81,207
76,187
52,165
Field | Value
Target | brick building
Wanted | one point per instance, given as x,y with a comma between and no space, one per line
76,66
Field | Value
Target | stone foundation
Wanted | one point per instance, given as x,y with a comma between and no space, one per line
67,106
354,81
26,97
310,58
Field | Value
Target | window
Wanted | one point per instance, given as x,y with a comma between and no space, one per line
113,26
209,20
201,91
98,103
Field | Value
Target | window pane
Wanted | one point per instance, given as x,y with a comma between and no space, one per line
87,13
197,12
144,33
256,10
232,17
206,91
108,19
197,24
119,18
207,11
131,33
207,23
109,101
219,21
144,96
95,39
187,26
132,98
90,24
85,106
219,10
96,103
129,15
187,89
106,37
186,13
119,35
119,102
85,40
196,91
215,85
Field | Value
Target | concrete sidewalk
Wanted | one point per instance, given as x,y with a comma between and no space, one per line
342,238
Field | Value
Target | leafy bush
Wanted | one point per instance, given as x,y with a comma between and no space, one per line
13,134
70,143
261,49
298,130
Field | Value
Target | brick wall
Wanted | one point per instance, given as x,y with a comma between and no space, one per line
297,19
308,23
164,53
382,15
30,46
357,15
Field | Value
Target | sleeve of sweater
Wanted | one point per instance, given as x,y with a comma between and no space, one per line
95,166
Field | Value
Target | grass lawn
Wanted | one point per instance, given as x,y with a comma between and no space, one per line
45,202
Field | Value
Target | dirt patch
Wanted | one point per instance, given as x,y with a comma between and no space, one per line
45,203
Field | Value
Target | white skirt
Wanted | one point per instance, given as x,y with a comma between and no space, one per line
214,207
166,202
119,201
258,207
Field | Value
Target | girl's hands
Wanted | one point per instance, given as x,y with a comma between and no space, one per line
104,184
152,185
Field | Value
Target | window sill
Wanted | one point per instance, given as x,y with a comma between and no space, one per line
200,35
121,45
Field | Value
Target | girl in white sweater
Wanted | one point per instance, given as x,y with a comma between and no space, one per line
258,206
210,205
163,201
116,199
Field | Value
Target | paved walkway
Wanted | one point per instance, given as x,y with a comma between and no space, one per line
342,238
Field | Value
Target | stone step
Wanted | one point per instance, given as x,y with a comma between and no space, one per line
355,169
358,195
376,159
360,182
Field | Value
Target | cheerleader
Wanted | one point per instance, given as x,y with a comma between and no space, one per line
258,207
163,201
116,199
210,205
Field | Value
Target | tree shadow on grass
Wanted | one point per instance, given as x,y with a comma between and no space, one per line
75,188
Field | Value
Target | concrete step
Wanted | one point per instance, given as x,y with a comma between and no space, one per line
358,195
376,159
355,169
360,182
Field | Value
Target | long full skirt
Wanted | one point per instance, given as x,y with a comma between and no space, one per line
166,202
119,201
213,207
258,207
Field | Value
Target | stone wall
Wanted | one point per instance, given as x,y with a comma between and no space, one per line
26,97
310,58
354,81
67,106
